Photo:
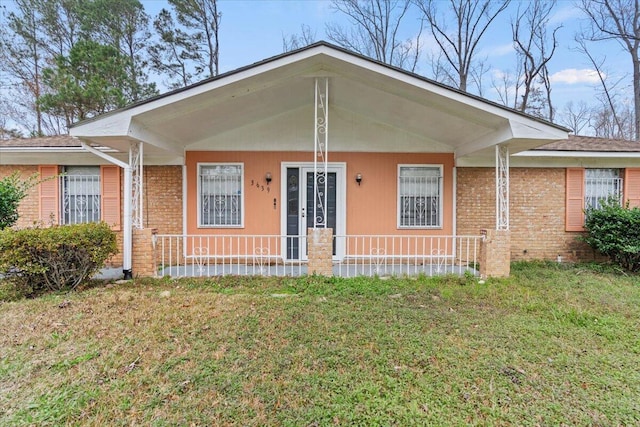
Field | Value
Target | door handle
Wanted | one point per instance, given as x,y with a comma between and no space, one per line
303,213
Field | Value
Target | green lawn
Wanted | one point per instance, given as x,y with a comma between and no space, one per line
552,345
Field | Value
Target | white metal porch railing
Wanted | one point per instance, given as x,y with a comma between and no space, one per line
273,255
396,255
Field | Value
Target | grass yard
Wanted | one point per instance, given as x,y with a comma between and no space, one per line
552,345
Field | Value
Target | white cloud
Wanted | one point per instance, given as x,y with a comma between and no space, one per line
573,76
498,74
565,15
499,50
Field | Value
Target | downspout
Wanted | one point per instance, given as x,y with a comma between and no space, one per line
127,228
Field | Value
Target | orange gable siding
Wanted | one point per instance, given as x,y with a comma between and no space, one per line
575,199
110,192
632,186
49,194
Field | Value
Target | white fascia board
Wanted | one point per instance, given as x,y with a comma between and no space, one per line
50,150
114,124
40,149
580,154
53,158
553,162
536,130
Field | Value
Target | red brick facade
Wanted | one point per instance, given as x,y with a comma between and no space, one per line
537,212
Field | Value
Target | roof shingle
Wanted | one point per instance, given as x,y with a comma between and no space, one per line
41,142
591,144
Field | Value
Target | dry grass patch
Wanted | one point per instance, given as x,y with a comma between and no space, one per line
549,346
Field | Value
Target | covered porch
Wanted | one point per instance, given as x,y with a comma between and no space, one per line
325,109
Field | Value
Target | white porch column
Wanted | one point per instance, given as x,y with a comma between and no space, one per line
321,149
127,229
495,249
502,187
135,161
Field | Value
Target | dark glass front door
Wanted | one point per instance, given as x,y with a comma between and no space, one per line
300,208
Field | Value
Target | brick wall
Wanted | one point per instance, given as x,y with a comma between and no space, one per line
143,256
495,259
29,207
320,241
163,201
537,212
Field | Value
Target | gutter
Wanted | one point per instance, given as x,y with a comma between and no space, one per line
583,154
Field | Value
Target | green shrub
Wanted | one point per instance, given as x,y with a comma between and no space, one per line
37,260
12,191
614,230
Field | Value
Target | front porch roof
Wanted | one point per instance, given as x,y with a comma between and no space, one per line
269,106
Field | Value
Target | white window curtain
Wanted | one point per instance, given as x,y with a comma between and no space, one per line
601,184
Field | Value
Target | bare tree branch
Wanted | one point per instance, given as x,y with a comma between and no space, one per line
617,20
534,51
605,88
296,41
472,19
375,31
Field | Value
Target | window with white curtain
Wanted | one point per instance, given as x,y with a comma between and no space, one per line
419,196
220,195
600,184
80,190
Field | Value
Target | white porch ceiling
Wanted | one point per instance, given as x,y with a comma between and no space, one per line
269,106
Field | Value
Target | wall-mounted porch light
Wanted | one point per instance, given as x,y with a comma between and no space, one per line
268,178
358,178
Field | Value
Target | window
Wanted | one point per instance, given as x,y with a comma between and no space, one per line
419,196
589,187
220,195
600,184
80,194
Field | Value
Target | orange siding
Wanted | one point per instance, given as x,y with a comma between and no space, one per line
371,207
110,195
632,186
49,194
575,199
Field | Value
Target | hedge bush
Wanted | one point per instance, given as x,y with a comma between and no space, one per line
38,260
614,230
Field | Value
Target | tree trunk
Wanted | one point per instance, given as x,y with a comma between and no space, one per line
636,95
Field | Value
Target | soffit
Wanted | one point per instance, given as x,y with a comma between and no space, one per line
434,116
